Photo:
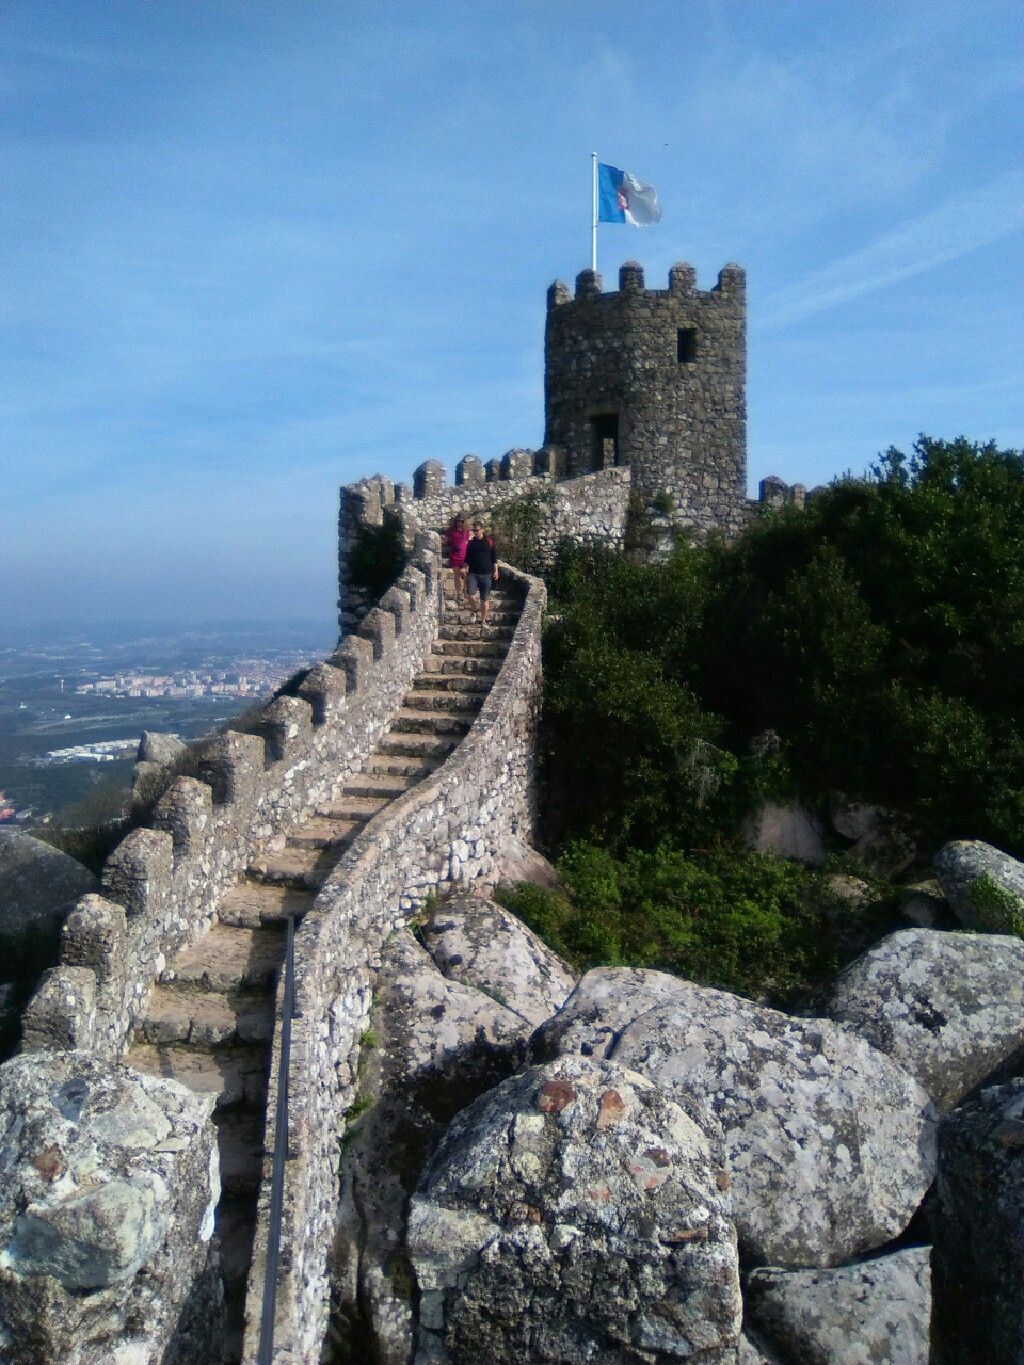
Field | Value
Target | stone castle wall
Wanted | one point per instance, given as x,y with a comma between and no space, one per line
162,884
448,829
589,507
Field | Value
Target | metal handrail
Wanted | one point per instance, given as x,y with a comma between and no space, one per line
268,1311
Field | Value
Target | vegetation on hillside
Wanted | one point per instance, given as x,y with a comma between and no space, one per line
872,643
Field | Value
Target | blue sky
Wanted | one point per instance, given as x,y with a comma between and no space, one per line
249,251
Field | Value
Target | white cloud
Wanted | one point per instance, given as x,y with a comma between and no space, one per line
954,229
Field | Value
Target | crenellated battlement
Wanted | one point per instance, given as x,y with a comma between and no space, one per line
162,884
682,284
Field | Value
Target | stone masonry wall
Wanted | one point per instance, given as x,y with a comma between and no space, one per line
591,506
447,829
162,884
669,366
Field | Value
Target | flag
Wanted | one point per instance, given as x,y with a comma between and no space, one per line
621,198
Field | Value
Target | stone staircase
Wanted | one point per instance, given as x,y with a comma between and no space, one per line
210,1018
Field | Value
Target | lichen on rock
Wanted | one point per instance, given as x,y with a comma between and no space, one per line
575,1213
106,1211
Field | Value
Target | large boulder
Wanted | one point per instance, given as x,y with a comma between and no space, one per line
433,1045
106,1213
830,1145
923,906
788,831
874,1313
520,862
948,1008
38,884
575,1213
978,1225
481,944
984,886
879,836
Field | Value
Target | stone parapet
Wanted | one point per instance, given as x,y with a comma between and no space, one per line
162,884
446,830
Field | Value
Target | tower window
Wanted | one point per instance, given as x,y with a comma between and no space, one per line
605,440
686,345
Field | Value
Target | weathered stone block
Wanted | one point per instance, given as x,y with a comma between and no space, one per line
106,1214
95,936
397,603
469,472
379,628
62,1012
185,811
232,765
138,873
354,657
286,722
429,478
323,693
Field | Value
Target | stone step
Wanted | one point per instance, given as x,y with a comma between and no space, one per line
251,903
376,785
324,832
452,682
467,617
401,766
240,1140
361,808
236,1075
455,665
437,699
227,958
466,649
206,1019
303,868
434,747
460,632
411,720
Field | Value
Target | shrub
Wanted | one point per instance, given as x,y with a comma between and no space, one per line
878,634
516,528
736,921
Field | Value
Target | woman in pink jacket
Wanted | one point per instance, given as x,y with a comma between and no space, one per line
457,538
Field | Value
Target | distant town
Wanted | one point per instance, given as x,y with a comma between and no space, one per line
259,677
72,707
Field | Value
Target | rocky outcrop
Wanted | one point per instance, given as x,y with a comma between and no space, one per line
575,1213
874,1313
984,886
106,1214
879,836
851,914
433,1046
978,1224
520,862
481,944
948,1008
923,906
37,886
830,1146
788,831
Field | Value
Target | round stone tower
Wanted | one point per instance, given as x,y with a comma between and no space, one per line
654,379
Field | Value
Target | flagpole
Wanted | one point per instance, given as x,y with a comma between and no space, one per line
593,219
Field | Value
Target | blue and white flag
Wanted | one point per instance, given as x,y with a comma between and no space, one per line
621,198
